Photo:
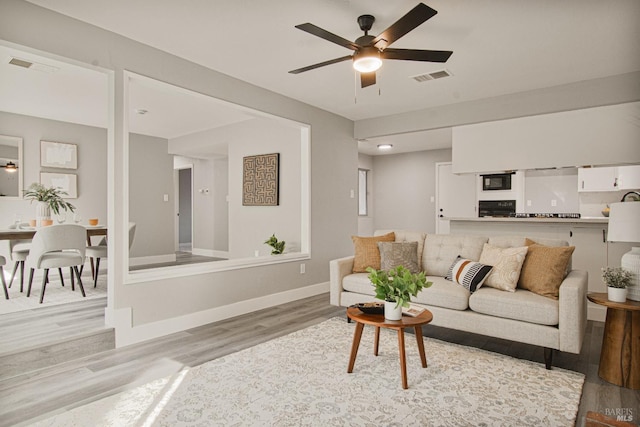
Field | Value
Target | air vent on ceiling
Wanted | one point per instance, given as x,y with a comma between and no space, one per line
32,65
434,75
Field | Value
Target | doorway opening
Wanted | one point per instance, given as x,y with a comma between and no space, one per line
184,215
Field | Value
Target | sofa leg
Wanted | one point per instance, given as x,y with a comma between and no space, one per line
548,357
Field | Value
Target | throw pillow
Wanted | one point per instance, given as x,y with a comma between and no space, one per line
367,253
544,268
393,254
469,274
506,262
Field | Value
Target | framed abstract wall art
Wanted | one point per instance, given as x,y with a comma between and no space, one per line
58,155
260,180
66,182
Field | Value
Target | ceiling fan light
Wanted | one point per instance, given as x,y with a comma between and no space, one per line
367,60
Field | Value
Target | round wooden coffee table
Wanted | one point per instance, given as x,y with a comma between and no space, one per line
620,354
379,321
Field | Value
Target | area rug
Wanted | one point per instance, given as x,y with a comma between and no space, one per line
301,380
55,294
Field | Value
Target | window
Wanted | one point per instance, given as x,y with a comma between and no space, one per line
362,192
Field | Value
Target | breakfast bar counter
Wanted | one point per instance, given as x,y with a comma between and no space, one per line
583,220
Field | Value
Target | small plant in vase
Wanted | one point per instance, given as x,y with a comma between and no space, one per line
396,287
49,199
276,245
617,279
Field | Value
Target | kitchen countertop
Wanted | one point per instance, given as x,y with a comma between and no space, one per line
583,220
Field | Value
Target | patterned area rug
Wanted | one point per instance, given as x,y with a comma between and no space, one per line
54,294
301,380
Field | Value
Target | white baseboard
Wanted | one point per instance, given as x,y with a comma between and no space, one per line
127,334
210,253
154,259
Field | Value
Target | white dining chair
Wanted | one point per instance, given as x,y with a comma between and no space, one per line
57,246
100,251
19,250
3,261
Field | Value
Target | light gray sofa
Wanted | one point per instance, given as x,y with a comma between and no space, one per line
521,316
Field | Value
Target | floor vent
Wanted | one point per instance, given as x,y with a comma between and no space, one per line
434,75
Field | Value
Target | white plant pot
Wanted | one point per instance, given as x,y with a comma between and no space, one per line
617,294
43,211
391,312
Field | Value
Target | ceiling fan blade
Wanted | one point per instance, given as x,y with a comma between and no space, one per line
416,55
320,64
324,34
367,79
402,26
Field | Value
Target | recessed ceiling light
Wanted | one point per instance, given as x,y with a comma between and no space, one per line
141,111
385,146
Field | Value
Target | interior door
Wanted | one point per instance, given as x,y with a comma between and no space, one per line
185,211
455,196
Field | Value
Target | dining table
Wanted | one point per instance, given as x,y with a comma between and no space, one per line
27,233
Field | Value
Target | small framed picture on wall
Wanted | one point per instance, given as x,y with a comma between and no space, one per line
66,182
58,155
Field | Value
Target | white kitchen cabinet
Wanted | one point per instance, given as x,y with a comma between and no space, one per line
629,177
613,178
597,179
590,254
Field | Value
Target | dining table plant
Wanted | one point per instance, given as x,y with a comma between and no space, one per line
396,287
48,199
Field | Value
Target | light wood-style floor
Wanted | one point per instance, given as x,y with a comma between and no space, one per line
73,381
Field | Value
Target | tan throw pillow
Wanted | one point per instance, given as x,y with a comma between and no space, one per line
367,253
544,268
393,254
506,262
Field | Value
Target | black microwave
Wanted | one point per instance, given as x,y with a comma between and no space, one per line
496,181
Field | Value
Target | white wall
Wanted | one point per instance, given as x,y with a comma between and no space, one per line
593,136
250,226
150,179
179,303
403,186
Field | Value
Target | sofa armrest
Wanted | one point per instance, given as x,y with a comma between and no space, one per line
573,311
338,269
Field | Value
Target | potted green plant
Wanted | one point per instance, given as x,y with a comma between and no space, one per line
617,279
276,245
396,287
48,199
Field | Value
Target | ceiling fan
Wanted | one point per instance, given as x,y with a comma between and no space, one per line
369,51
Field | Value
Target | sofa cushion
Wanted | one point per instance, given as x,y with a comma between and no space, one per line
517,241
407,236
367,253
440,250
358,283
506,262
394,254
544,268
469,274
443,293
520,305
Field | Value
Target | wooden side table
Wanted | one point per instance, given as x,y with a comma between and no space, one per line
379,321
620,355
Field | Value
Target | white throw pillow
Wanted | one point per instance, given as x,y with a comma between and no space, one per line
507,263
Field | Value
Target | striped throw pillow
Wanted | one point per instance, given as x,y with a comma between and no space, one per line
470,274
